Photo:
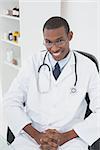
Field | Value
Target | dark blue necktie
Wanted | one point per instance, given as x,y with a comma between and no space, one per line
56,71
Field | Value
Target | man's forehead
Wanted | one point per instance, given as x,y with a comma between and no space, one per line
54,33
54,29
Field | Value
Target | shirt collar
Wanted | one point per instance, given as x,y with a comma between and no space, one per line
62,62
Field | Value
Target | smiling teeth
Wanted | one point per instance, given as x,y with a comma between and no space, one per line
56,54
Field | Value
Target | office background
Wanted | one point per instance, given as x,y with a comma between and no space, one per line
84,20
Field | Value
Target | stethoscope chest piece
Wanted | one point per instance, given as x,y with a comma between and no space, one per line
73,90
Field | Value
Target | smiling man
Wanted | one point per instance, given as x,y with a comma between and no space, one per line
53,89
57,41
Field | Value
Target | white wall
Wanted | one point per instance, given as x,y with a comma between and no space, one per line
0,109
3,127
33,15
84,20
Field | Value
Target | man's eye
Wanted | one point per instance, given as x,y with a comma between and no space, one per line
59,41
48,41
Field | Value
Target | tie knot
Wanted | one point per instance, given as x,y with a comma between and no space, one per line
57,66
56,71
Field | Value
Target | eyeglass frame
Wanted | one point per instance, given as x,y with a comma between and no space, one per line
57,43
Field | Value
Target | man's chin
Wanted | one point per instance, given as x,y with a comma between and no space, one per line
57,58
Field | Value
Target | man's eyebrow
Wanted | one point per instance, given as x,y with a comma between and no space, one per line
55,40
59,38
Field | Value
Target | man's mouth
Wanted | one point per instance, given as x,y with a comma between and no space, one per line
56,53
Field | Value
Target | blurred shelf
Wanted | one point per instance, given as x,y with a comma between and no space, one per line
10,17
10,42
17,67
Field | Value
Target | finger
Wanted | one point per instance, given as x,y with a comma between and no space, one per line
51,130
44,140
53,144
53,148
45,147
54,136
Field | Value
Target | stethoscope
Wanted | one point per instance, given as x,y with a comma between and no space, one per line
47,68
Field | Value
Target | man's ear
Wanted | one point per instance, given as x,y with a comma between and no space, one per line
70,35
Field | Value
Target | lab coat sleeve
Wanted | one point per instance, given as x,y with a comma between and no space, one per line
89,129
14,111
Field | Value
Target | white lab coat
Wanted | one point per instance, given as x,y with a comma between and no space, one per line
59,108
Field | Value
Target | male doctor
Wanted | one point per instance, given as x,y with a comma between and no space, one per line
53,86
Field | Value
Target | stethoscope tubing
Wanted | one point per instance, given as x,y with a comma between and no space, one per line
73,90
44,64
75,69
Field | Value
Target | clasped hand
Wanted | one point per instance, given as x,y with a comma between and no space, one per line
51,139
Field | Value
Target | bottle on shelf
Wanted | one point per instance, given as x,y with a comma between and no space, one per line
15,12
10,36
11,12
8,12
14,61
16,35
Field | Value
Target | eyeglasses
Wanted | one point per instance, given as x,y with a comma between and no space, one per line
58,43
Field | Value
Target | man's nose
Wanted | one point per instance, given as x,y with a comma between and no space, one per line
54,47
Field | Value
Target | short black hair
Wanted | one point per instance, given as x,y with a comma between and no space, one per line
56,22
